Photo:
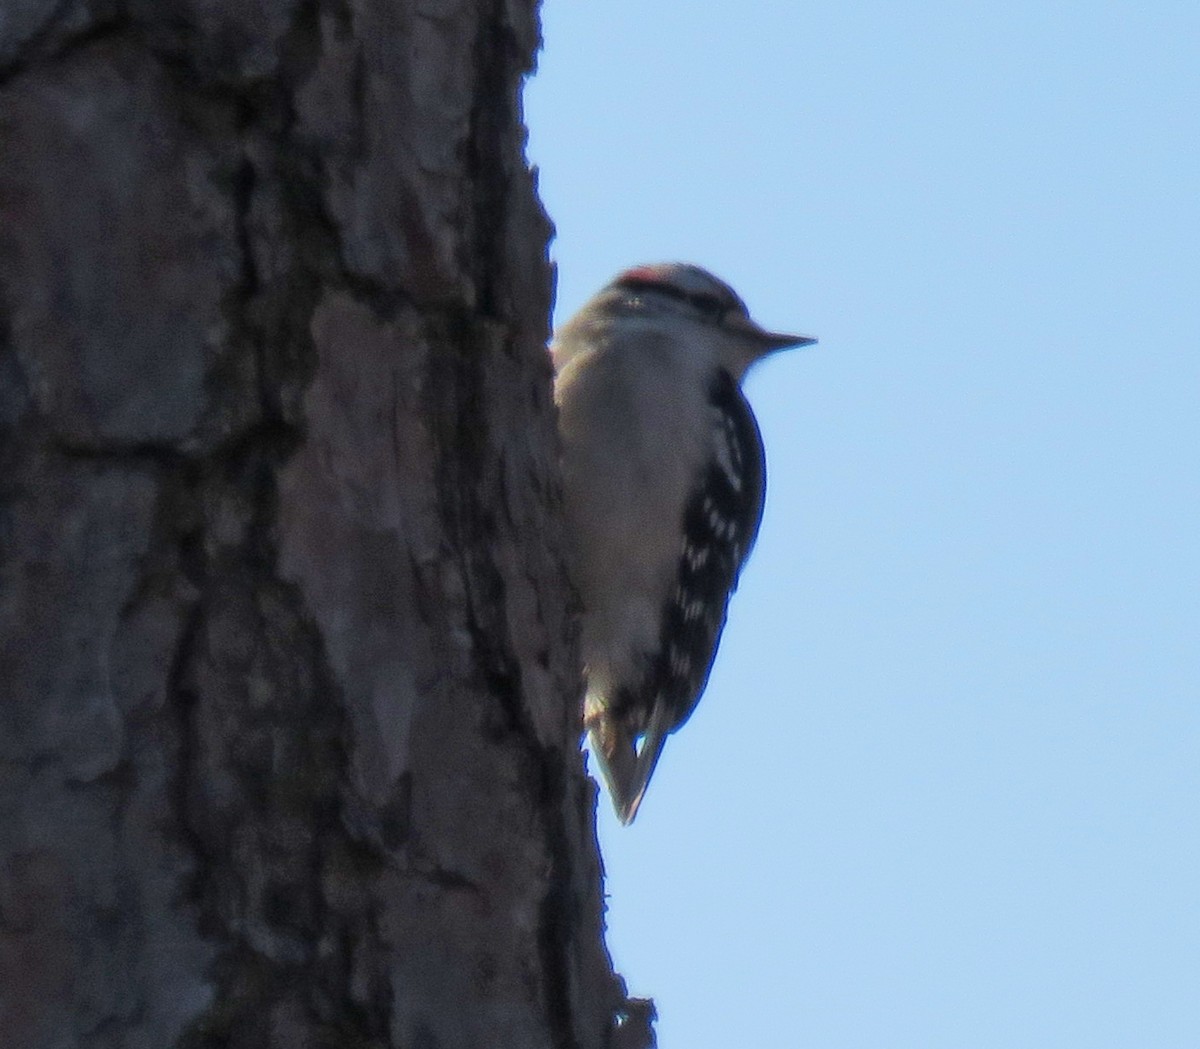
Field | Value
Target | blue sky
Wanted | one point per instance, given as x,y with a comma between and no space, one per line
943,791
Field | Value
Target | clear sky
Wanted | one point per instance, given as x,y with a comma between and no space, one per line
943,791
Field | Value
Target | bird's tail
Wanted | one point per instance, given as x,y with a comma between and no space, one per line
627,768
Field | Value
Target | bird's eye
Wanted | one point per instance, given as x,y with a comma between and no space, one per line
709,304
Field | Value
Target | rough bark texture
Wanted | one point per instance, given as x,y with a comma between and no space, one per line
288,685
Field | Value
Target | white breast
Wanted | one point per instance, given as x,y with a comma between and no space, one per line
634,421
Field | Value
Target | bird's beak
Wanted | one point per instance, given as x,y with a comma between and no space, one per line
768,340
775,340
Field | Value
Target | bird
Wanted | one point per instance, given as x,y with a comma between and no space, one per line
663,482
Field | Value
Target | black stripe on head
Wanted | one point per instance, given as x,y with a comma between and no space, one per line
715,305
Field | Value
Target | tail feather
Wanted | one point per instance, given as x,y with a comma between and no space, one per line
627,768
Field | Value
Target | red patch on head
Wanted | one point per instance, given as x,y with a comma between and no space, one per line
644,275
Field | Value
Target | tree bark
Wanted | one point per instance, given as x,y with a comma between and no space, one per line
289,711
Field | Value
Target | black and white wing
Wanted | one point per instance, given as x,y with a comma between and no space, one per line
721,520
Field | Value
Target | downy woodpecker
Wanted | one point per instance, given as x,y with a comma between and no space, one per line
664,478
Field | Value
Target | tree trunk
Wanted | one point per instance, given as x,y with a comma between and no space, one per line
289,709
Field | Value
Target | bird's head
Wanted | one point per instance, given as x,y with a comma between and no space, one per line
699,303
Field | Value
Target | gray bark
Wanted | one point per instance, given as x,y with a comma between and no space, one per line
289,709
